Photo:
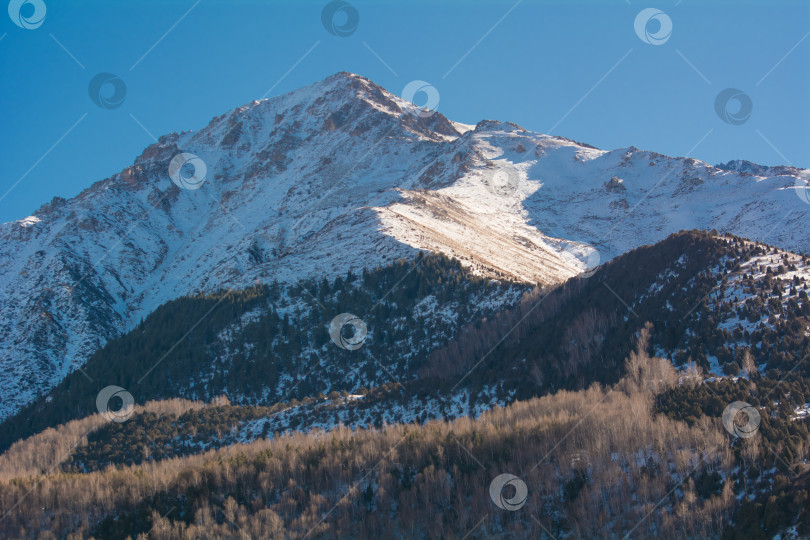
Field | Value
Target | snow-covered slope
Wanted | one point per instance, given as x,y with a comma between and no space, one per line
340,175
528,195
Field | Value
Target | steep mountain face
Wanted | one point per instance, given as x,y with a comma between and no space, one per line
343,175
289,182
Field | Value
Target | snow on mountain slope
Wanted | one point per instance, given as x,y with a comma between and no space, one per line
288,182
340,175
552,191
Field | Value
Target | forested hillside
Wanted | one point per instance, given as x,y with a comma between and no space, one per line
429,481
271,343
628,372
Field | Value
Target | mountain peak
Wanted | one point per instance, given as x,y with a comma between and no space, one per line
336,176
348,77
342,102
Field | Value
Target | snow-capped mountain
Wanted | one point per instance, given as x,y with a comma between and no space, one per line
344,175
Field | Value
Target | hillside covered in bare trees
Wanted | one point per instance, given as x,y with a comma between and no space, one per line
598,448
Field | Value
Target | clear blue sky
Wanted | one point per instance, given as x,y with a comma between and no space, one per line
551,66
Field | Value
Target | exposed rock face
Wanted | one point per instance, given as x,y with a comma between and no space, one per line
615,185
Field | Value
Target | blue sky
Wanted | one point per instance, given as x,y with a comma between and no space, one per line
570,68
